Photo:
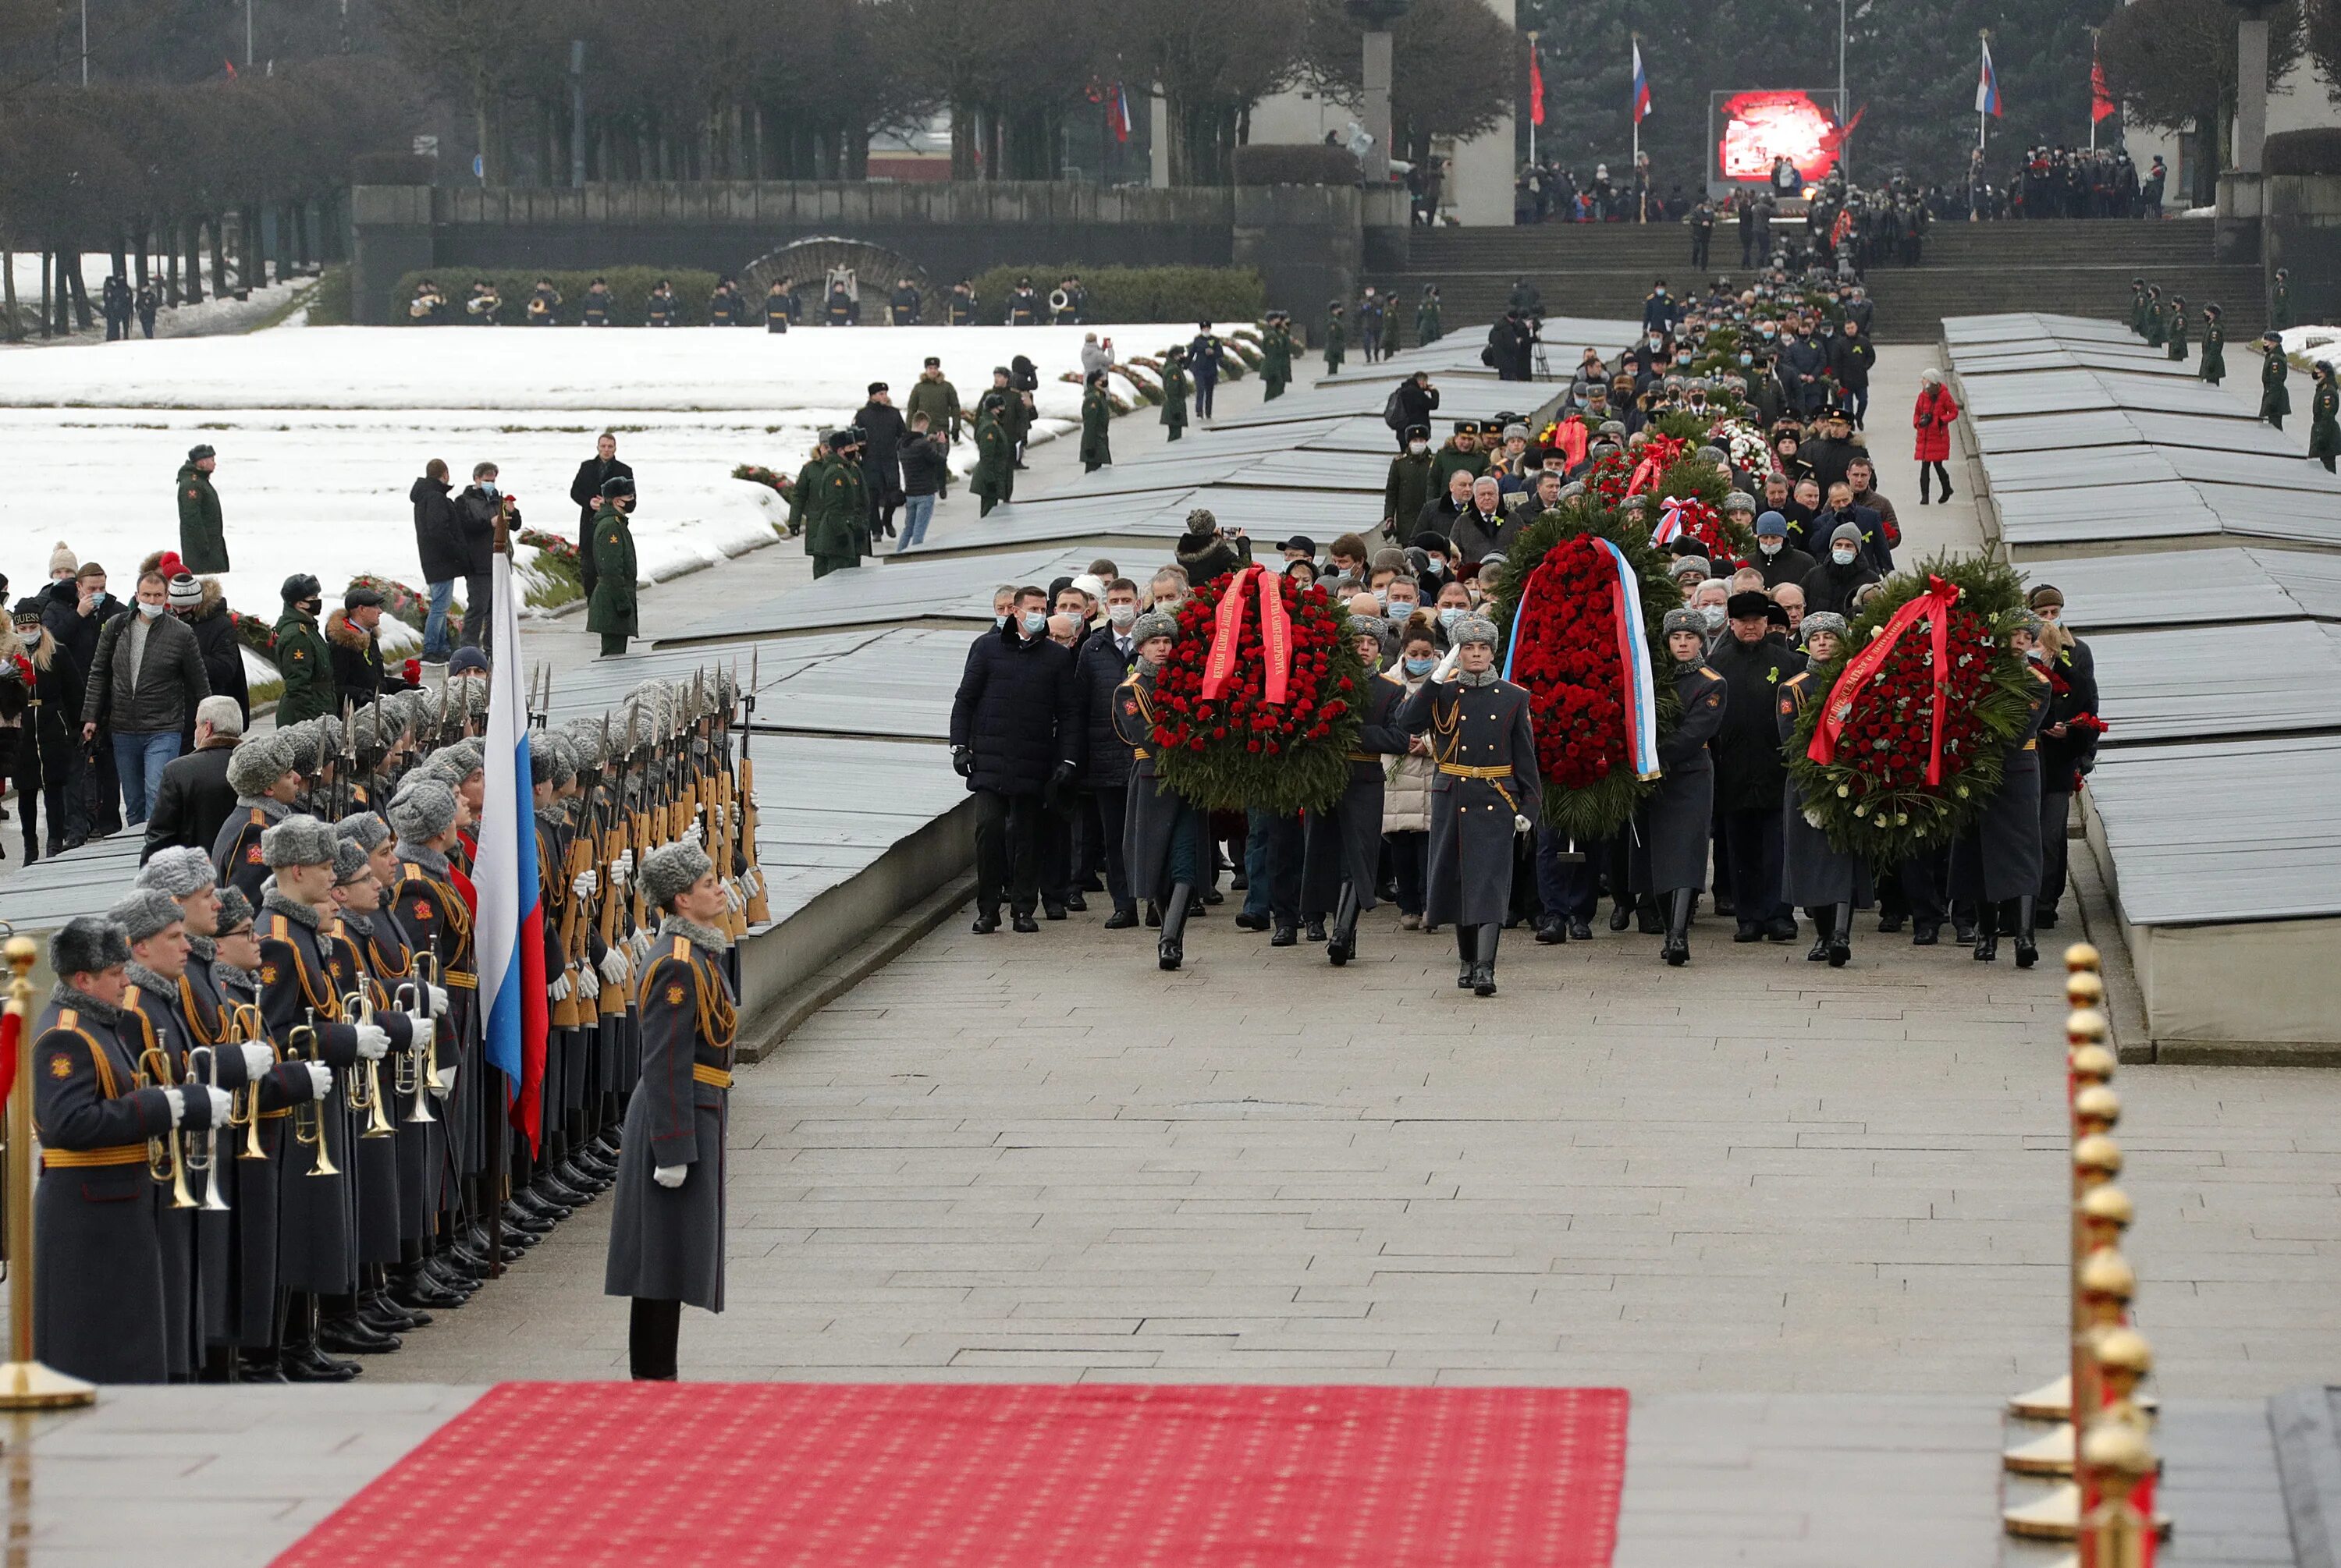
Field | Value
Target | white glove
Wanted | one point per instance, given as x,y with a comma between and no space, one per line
640,948
178,1099
219,1105
588,986
584,884
257,1059
622,867
753,879
1521,824
731,899
614,968
559,990
670,1175
425,1031
374,1042
1445,668
695,830
438,1001
321,1079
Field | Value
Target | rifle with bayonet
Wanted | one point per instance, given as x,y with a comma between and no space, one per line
759,909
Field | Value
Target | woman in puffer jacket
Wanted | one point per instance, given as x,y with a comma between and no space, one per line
1406,797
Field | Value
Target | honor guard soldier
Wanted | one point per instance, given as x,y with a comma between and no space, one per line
2275,398
723,305
306,1021
111,1139
1163,847
1997,863
1337,338
1097,419
666,1238
1485,752
260,772
1677,821
1276,355
780,306
958,309
2214,366
436,920
663,309
1342,851
1023,305
903,308
598,304
1827,882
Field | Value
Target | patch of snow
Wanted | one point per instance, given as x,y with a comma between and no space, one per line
2312,342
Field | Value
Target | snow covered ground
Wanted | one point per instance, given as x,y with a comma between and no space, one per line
2313,343
218,313
321,430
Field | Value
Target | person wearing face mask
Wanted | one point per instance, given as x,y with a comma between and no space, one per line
1407,778
2069,747
1749,770
1827,882
1342,848
1016,737
476,511
144,684
40,695
1479,529
1487,781
1831,585
1105,662
1165,846
1997,863
1400,598
1669,861
1710,600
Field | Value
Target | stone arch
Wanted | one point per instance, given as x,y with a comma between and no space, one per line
808,263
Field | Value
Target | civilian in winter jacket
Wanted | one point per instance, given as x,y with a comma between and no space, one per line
1932,418
1750,773
1833,583
353,632
196,797
926,467
145,682
203,535
1775,558
439,547
76,610
1206,552
40,694
1105,662
585,489
203,608
476,511
1016,737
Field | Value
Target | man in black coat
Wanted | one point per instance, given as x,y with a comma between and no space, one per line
353,632
200,604
439,546
1016,738
1832,584
1105,662
1416,399
882,429
1832,451
196,796
1775,558
585,489
77,610
1750,773
475,540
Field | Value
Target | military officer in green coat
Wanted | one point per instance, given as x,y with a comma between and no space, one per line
2137,306
993,479
2154,332
203,536
1337,339
1389,329
1427,329
808,485
2324,417
304,658
1276,355
2275,399
2214,368
1097,413
1408,490
612,610
2280,302
834,515
2176,334
1175,388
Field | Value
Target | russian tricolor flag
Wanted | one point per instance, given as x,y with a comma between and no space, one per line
1120,113
1641,87
1988,85
509,939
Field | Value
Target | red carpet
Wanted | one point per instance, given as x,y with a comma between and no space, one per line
1111,1476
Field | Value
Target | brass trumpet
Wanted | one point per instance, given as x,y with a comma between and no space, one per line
242,1025
205,1162
411,1074
363,1085
165,1161
309,1115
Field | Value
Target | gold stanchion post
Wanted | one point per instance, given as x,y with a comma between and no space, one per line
24,1382
2116,1534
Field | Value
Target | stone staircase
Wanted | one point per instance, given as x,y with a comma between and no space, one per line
2067,267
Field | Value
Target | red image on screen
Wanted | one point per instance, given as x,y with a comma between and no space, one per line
1758,127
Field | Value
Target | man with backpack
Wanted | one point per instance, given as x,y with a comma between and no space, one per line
1411,404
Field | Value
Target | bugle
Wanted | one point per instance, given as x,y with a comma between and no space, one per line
205,1162
309,1115
242,1025
363,1085
165,1161
410,1074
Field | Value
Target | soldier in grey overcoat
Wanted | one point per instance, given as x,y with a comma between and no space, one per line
99,1304
1163,833
1998,861
1342,850
1484,749
1675,825
666,1238
1827,882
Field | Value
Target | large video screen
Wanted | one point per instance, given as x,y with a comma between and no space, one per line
1758,127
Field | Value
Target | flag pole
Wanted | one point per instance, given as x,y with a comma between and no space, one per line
1984,36
1635,112
1533,106
2093,89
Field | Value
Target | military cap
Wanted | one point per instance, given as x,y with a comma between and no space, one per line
1473,629
616,485
423,810
88,944
1154,623
670,869
349,862
585,743
298,586
1827,621
257,762
234,910
1684,619
1366,626
145,912
544,766
1690,565
178,871
368,829
1739,500
297,841
198,452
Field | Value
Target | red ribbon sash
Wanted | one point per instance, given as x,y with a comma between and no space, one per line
1937,601
1227,631
1660,452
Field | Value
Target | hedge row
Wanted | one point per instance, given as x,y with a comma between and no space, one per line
629,291
1296,164
1130,294
2314,151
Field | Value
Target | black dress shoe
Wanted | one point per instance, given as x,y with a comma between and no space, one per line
1748,932
1552,932
1724,905
544,1210
1025,924
1285,936
1153,915
422,1292
987,923
2044,919
1819,952
1581,930
1315,929
1889,924
1213,896
1055,912
1076,903
1963,932
1621,915
257,1366
1248,921
1926,935
384,1318
348,1337
302,1363
1121,920
517,1218
1781,930
553,1190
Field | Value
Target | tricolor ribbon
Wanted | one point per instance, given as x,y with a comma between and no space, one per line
1227,631
1634,678
1670,524
1859,671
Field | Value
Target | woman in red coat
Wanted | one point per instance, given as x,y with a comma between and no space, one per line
1933,416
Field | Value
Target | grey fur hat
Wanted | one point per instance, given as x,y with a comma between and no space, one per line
1367,626
667,871
1473,629
87,944
366,829
145,912
257,762
1827,621
235,909
1712,455
1683,620
1154,623
1687,564
543,765
564,758
1844,533
423,810
349,862
300,745
178,871
471,754
297,841
1201,522
1739,500
585,744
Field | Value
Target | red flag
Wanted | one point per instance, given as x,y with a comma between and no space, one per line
2101,98
1536,88
231,67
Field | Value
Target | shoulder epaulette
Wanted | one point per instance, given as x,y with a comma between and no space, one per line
681,949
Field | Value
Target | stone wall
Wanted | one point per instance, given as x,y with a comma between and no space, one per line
2301,231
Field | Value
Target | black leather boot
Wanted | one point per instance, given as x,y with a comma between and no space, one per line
1467,943
1313,927
1677,950
1621,914
1646,911
2028,950
1841,945
1483,970
1819,952
1342,945
1172,950
1986,937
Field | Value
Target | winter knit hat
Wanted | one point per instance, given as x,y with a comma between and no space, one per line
1844,533
87,944
668,871
178,871
1201,523
297,841
61,559
1771,525
185,593
144,913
